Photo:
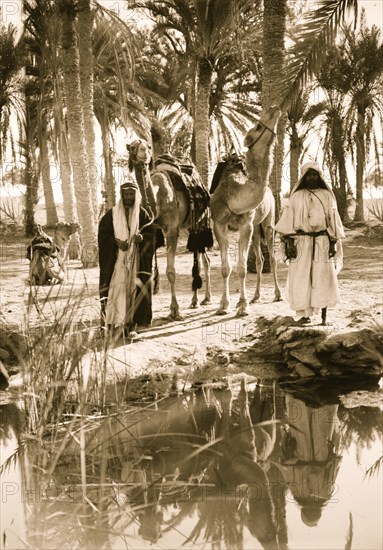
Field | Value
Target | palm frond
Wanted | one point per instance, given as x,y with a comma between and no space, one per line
317,32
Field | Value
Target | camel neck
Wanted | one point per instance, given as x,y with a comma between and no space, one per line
146,187
245,197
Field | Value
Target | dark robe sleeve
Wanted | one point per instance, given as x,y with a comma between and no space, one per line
107,252
147,245
143,308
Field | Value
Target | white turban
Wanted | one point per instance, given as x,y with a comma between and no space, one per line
313,165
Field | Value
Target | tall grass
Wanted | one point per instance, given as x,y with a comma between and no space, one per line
93,468
375,209
11,213
71,465
64,372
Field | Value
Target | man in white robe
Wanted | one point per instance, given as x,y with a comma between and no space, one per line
311,229
310,459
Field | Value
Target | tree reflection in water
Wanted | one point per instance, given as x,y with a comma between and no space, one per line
225,459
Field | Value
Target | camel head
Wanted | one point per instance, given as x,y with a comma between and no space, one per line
38,230
66,229
62,231
140,153
266,127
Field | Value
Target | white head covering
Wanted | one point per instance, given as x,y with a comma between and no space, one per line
122,288
313,165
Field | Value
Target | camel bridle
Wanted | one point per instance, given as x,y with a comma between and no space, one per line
264,128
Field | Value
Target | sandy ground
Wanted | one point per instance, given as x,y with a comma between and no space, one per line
201,337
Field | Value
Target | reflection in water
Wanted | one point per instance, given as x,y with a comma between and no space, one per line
310,461
215,468
12,504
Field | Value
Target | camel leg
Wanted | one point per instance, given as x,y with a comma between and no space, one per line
171,247
221,234
259,260
262,410
206,266
33,270
223,426
54,271
247,438
269,236
245,235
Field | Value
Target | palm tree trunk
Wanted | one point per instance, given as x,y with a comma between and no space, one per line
31,196
85,29
78,156
31,179
360,160
50,205
201,120
296,147
109,187
274,28
341,162
69,201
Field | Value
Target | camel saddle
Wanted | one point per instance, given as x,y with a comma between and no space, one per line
185,179
235,163
42,243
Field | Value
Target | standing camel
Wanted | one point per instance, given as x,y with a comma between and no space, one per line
241,202
171,209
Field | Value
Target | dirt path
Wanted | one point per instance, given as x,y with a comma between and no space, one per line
201,337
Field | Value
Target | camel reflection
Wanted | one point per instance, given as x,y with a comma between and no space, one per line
214,467
222,456
244,462
205,455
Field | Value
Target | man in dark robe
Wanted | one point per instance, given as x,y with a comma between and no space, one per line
126,241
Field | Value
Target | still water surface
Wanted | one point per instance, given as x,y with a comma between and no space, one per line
252,467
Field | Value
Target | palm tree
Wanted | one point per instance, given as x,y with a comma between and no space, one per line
274,30
362,68
41,45
332,108
351,79
316,34
78,156
295,117
234,101
116,100
27,147
11,63
84,30
201,33
330,113
42,36
233,104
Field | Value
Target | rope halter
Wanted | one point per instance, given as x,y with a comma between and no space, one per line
264,128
